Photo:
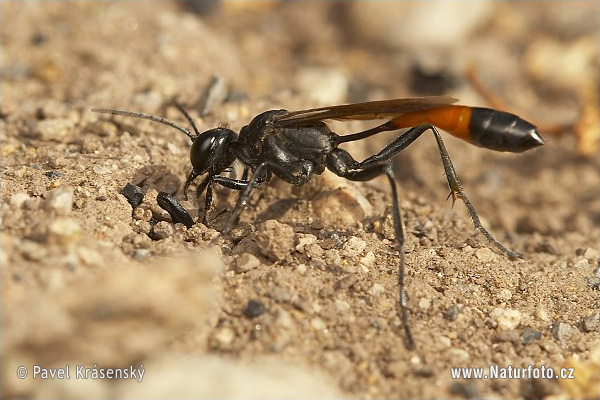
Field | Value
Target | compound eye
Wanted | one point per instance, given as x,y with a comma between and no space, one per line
202,149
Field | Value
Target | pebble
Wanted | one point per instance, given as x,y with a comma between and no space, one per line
445,341
90,257
162,230
506,318
339,203
590,323
452,312
342,306
581,264
54,129
224,336
424,303
133,194
301,268
332,257
506,336
542,313
254,308
529,335
101,169
318,324
323,85
245,262
354,246
18,199
504,295
376,289
140,254
484,254
368,260
590,253
59,200
457,354
64,230
305,240
33,251
562,331
275,240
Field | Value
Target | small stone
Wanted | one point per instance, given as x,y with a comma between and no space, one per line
305,240
332,257
301,268
376,289
101,170
590,253
89,256
506,318
339,202
590,323
581,264
484,254
18,199
445,341
458,354
224,336
54,129
64,230
254,308
245,262
529,335
173,149
368,260
542,313
562,331
275,240
318,324
33,251
162,230
133,194
342,306
452,312
424,303
141,254
280,294
504,295
59,200
323,85
354,246
506,336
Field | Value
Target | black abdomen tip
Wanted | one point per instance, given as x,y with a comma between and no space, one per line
502,131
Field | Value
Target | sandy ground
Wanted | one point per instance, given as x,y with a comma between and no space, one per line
301,299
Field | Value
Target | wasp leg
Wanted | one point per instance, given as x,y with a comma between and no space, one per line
191,177
456,189
341,163
246,187
224,181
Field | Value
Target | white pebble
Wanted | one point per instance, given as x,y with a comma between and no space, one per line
59,200
354,246
506,318
101,170
376,289
17,199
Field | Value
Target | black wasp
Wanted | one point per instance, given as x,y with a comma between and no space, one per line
296,145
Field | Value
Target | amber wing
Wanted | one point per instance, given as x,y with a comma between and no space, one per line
364,111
